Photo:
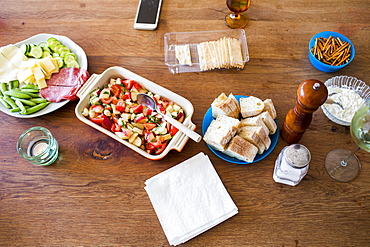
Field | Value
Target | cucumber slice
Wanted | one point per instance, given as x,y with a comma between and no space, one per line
62,54
73,64
69,58
53,44
46,54
57,48
64,49
36,52
44,47
71,54
49,40
60,62
25,48
44,44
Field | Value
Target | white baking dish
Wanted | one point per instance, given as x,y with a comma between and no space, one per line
100,80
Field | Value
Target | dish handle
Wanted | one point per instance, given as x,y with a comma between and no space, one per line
179,143
87,87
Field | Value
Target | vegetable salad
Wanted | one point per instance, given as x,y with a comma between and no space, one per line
115,108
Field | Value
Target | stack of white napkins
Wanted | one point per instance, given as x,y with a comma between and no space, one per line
189,199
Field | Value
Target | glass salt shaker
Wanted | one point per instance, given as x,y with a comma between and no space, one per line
292,164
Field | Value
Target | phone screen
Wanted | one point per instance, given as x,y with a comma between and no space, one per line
148,11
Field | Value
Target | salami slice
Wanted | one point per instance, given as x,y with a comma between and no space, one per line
65,84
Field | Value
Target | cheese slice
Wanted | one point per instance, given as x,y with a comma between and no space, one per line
182,53
30,63
13,54
30,80
42,83
23,75
55,63
8,71
37,73
48,65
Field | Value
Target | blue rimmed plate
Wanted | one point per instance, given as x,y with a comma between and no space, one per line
207,121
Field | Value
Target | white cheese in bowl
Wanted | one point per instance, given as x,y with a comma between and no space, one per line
348,98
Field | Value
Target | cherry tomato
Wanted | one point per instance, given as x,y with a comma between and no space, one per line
107,101
161,109
116,127
147,111
138,108
173,130
98,120
160,148
137,87
126,96
116,90
120,106
128,83
149,126
97,108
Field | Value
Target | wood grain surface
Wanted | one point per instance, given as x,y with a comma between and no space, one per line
82,200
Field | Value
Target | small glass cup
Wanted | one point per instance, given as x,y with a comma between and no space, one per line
38,146
292,164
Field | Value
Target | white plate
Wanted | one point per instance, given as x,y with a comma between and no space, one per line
81,58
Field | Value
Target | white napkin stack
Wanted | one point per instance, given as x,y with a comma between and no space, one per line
189,199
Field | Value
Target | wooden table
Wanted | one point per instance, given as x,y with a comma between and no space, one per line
84,201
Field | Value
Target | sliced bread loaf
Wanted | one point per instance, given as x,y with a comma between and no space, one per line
269,106
249,134
262,135
270,123
251,106
224,105
220,132
241,149
255,121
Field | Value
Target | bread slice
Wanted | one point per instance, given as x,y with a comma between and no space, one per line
262,135
269,106
241,149
270,123
224,105
255,121
220,132
251,106
249,134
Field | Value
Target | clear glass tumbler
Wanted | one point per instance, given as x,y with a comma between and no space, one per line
38,146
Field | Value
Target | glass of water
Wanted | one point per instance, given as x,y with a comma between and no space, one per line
38,146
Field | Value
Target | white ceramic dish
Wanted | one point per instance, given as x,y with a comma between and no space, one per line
97,81
347,82
81,58
194,38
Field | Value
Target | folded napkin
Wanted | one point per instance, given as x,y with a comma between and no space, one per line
189,199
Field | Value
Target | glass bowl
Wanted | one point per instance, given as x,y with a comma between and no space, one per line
346,82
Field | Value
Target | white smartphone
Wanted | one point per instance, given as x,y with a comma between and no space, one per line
147,14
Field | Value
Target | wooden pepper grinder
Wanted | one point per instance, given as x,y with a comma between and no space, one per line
311,94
